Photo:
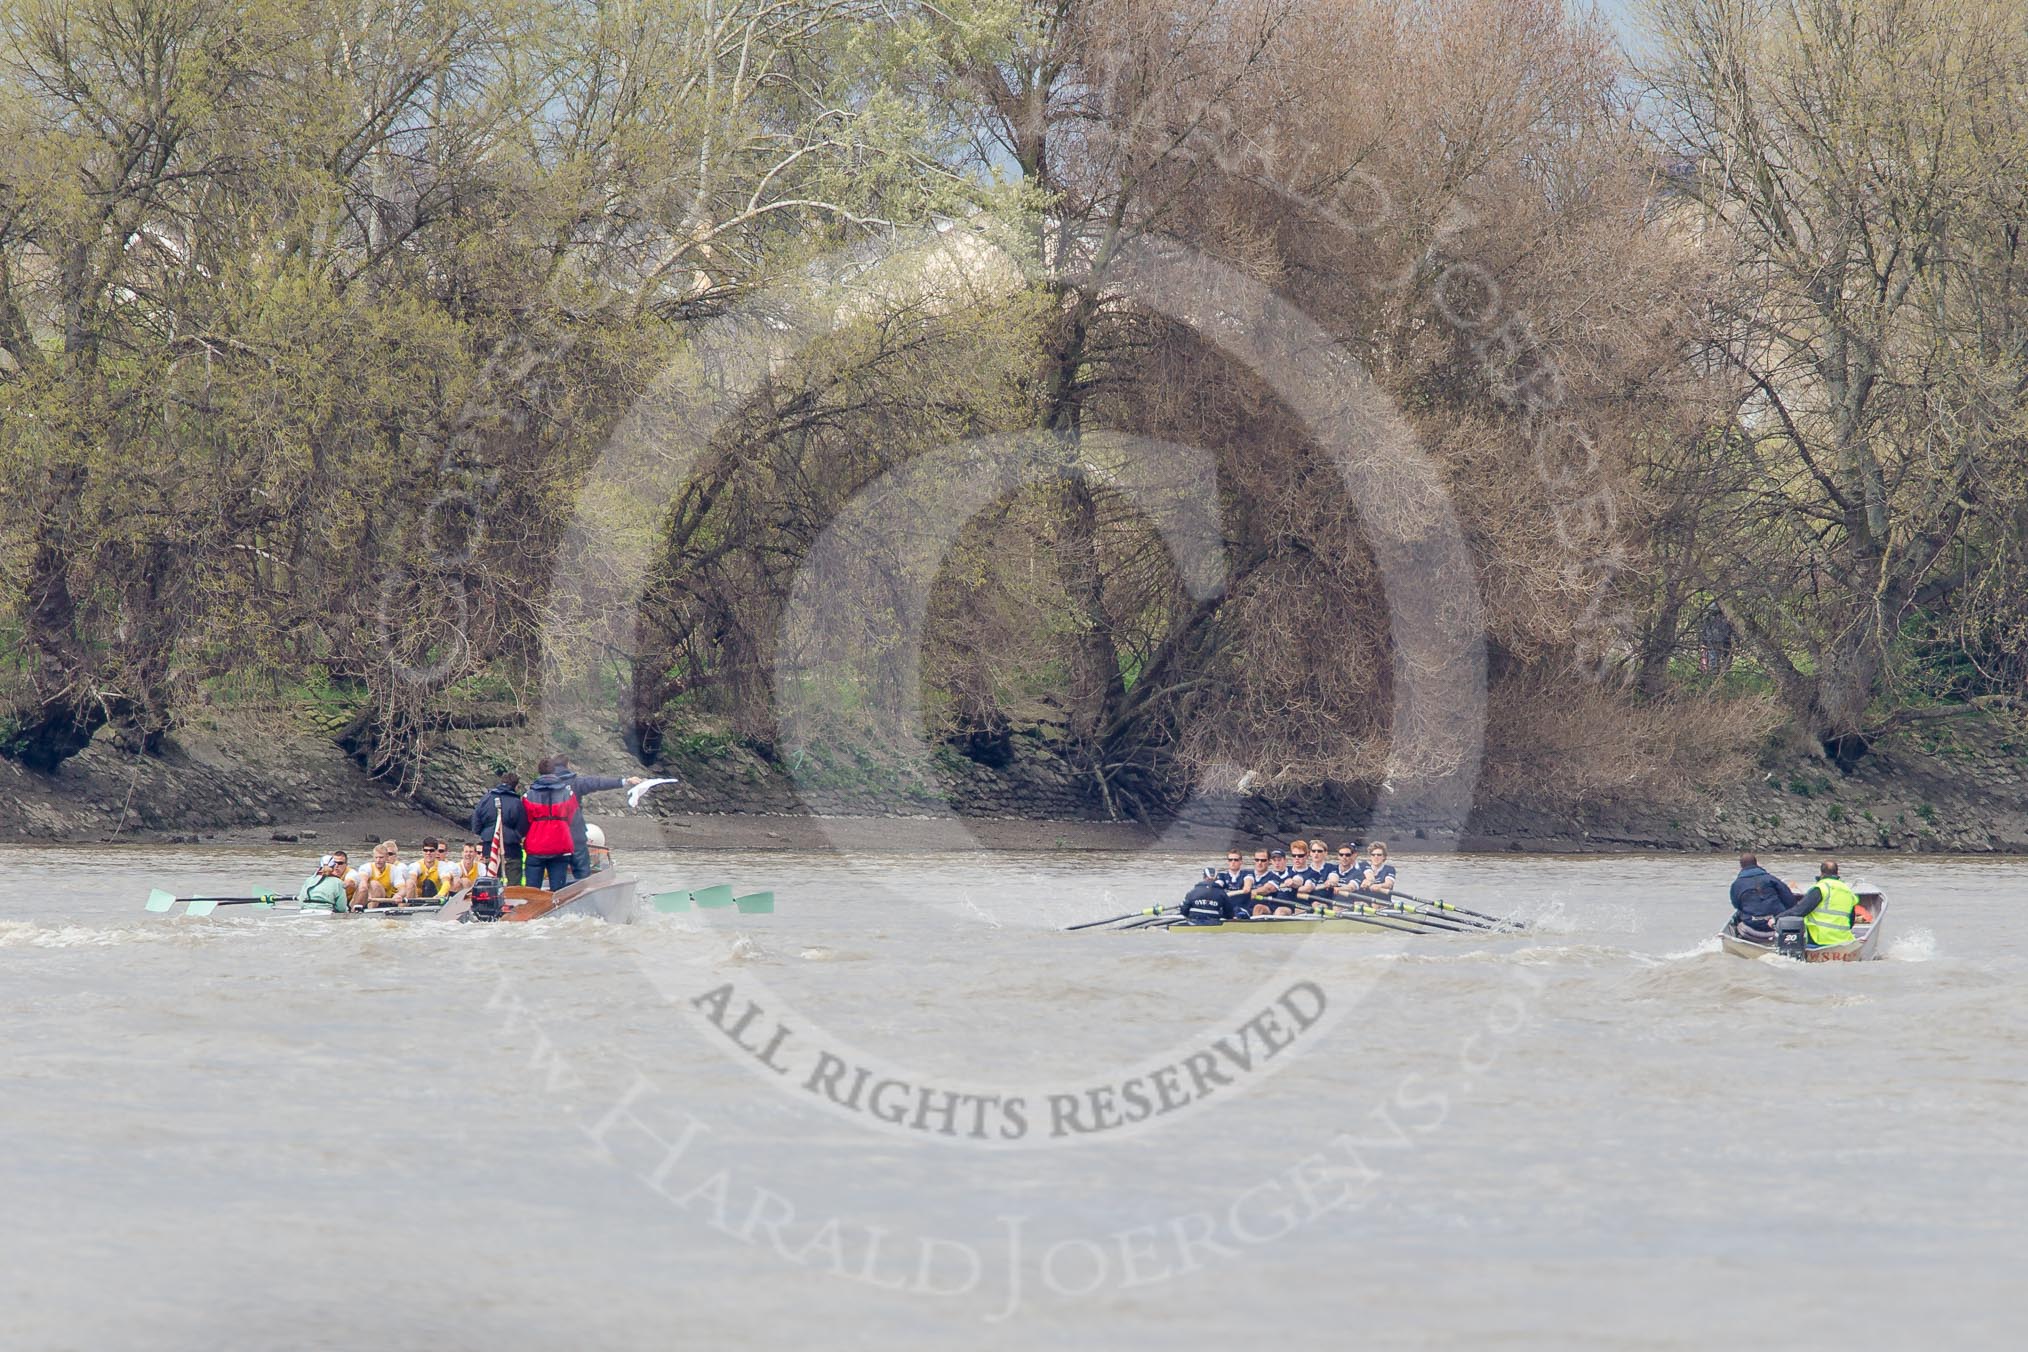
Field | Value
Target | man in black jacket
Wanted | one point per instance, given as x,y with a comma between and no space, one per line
1757,898
502,804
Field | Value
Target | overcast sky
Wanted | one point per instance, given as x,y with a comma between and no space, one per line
1619,11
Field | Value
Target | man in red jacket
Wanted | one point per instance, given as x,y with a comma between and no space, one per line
558,853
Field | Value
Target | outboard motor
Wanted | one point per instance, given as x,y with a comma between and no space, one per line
489,899
1791,938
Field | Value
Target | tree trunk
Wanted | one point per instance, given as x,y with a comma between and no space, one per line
1658,645
648,691
1847,673
1096,687
60,723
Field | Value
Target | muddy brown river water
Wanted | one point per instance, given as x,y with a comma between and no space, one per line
908,1111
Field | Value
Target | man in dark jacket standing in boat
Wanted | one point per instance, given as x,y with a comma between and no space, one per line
502,805
1757,898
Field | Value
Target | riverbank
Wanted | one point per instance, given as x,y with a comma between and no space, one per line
236,779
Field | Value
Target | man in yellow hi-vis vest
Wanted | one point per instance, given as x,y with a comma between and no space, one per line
1827,908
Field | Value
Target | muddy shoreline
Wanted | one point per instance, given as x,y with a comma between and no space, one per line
278,780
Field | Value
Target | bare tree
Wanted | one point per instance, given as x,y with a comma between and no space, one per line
1859,166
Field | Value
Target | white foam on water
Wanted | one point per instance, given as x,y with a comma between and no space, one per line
1918,945
28,934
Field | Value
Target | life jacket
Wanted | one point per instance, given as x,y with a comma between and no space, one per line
1831,922
429,881
549,826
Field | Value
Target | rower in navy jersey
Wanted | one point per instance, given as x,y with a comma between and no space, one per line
1222,894
1236,881
1268,882
1242,906
1321,876
1377,875
1349,871
1278,892
1298,874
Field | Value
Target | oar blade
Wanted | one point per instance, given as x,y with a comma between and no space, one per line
202,906
159,901
713,897
756,903
668,903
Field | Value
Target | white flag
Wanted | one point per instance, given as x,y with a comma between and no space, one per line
640,790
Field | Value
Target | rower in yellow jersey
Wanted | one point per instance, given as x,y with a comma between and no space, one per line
434,877
380,880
